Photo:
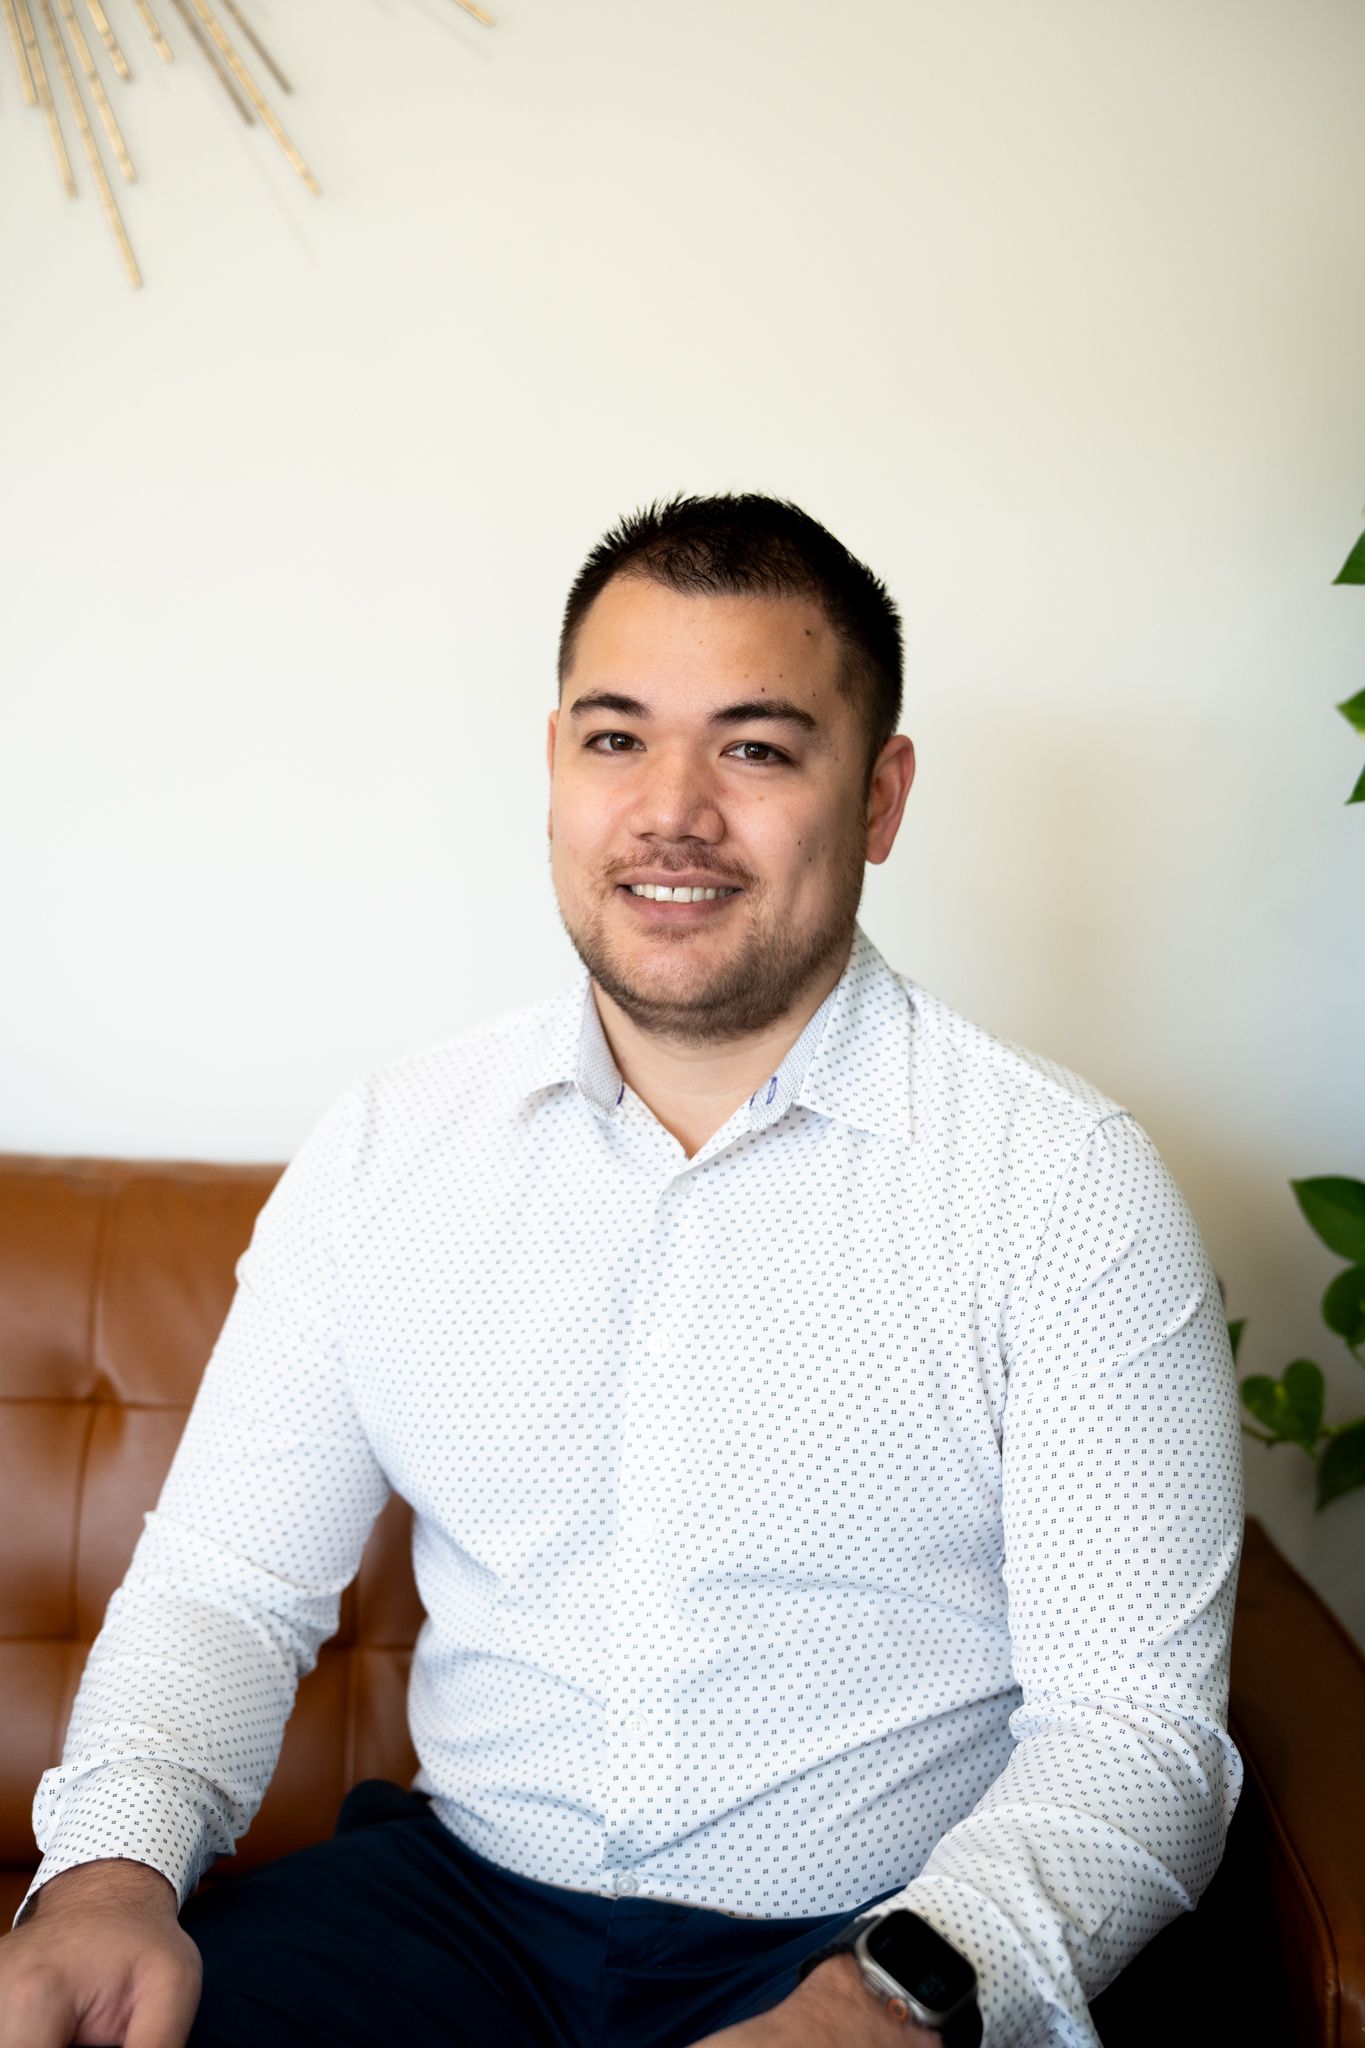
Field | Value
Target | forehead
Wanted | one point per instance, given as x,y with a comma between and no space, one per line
700,648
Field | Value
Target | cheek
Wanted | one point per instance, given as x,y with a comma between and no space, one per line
567,812
816,843
821,850
582,837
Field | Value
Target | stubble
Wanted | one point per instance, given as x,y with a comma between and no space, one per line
763,979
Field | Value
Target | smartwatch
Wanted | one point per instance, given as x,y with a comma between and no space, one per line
916,1974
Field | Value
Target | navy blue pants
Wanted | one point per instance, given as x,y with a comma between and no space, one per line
393,1932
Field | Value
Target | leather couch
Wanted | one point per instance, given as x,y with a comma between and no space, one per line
114,1279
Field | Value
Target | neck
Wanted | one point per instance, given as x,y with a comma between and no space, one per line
694,1089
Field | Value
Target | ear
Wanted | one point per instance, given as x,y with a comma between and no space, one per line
550,768
891,779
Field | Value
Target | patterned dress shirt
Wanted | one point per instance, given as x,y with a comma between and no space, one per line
851,1508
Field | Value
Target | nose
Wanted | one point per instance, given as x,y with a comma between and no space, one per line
675,798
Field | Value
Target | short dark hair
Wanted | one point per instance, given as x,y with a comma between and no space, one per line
750,545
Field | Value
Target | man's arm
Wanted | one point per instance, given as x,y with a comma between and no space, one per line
236,1580
1122,1505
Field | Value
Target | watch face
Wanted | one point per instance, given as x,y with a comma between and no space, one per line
921,1961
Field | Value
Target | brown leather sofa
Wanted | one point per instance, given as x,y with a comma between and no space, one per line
114,1279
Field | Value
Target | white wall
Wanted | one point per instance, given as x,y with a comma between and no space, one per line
1054,313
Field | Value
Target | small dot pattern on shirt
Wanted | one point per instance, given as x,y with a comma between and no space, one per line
853,1506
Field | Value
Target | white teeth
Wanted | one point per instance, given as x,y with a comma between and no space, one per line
662,894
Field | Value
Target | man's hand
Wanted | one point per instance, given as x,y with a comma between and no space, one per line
101,1962
829,2009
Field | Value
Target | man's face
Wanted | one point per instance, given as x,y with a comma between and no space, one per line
703,742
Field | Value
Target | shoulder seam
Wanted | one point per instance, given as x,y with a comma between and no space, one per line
1063,1182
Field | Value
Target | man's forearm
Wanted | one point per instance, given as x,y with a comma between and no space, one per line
142,1812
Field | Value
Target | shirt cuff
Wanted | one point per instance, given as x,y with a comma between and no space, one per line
162,1815
1017,2011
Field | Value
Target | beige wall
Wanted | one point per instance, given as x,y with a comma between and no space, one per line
1055,313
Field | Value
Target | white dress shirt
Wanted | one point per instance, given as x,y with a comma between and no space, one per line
855,1505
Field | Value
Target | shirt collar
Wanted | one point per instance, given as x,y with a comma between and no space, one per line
850,1063
859,1072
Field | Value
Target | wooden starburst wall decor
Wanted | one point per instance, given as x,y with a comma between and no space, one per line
48,64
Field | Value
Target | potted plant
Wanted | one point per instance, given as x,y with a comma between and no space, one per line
1290,1409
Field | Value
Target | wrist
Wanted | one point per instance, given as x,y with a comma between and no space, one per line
855,2013
911,1975
116,1881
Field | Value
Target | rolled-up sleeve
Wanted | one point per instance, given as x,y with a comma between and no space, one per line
237,1577
1122,1509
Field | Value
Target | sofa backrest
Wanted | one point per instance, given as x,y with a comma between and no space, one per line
115,1278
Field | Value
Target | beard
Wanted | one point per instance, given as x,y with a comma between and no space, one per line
765,978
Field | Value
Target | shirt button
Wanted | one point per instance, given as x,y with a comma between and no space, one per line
659,1342
626,1885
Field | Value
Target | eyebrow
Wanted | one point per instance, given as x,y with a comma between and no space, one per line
748,713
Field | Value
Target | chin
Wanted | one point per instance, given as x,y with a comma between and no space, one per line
672,972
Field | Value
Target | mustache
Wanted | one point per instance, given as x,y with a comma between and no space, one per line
724,877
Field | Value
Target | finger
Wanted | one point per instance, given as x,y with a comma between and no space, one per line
35,2014
163,2013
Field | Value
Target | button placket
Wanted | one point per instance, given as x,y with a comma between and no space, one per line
643,1633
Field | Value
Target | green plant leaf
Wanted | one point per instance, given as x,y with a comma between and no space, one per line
1335,1209
1235,1335
1343,1305
1341,1468
1357,795
1353,710
1291,1406
1353,568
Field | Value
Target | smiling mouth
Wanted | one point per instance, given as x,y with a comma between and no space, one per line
655,892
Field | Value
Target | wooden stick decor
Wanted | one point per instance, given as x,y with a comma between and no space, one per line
219,31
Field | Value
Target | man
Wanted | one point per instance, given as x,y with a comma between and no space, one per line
820,1428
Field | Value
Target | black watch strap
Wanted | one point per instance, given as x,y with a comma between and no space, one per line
961,2029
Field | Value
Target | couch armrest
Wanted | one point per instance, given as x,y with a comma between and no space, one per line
1275,1952
1297,1714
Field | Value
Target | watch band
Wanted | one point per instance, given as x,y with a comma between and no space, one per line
962,2027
